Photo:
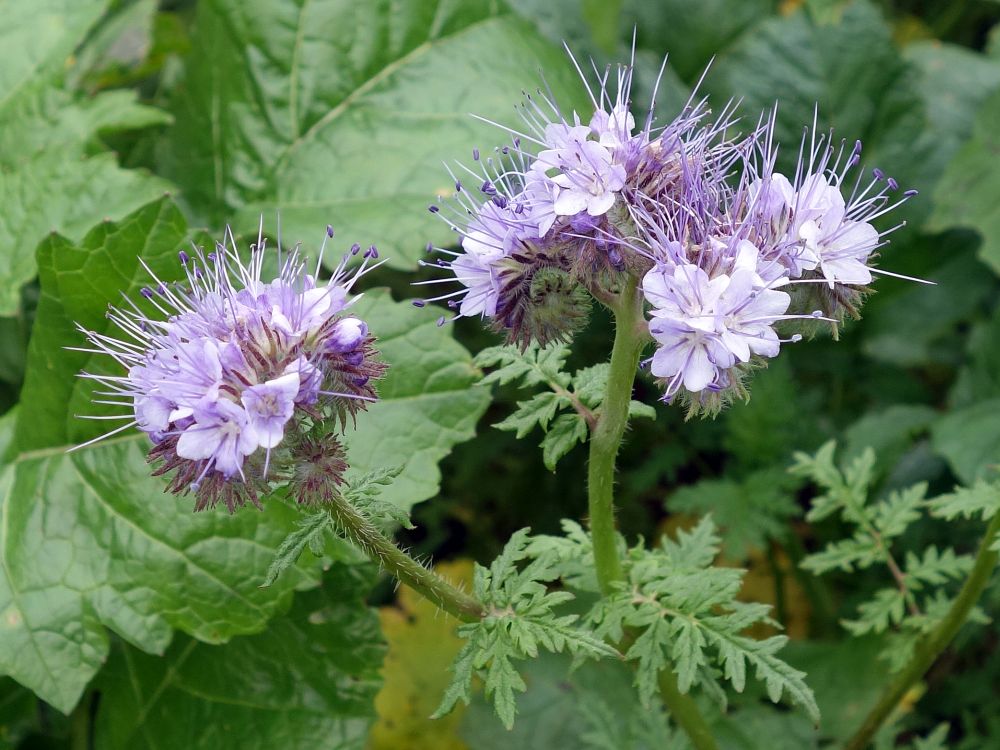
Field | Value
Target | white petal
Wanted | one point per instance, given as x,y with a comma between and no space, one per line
601,204
571,202
198,441
699,371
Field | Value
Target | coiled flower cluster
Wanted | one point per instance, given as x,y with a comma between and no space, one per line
726,250
232,377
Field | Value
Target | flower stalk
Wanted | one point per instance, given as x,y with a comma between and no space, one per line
931,646
605,440
606,437
428,584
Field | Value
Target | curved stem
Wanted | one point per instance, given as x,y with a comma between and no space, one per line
607,434
427,583
931,646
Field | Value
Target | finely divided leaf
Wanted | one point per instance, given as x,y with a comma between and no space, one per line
982,499
561,437
310,533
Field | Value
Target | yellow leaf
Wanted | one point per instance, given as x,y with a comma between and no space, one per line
422,645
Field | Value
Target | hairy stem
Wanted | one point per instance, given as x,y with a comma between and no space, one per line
931,646
606,436
605,439
428,584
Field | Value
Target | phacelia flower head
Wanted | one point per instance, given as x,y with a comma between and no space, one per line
817,226
229,375
738,260
731,257
541,221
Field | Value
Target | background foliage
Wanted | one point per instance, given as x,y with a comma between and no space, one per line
120,611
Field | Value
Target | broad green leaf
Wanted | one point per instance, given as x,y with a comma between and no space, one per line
969,438
343,112
919,325
603,17
692,34
953,81
888,432
117,48
38,36
426,401
841,673
966,195
980,377
89,540
307,682
844,63
51,179
78,282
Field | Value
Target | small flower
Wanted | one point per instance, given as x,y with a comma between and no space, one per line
542,221
223,369
221,434
705,326
728,250
269,406
809,227
584,171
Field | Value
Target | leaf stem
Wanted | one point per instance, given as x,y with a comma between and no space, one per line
931,646
606,437
431,586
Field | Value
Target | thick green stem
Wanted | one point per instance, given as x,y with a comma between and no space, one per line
684,711
428,584
931,646
607,434
605,439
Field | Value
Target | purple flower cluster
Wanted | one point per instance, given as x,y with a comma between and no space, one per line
724,248
224,370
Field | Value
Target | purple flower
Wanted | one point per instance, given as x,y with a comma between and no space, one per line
219,364
222,435
310,380
269,406
705,325
584,171
727,249
807,224
347,335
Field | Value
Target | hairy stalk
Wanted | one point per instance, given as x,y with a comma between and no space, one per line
931,646
605,439
431,586
606,436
